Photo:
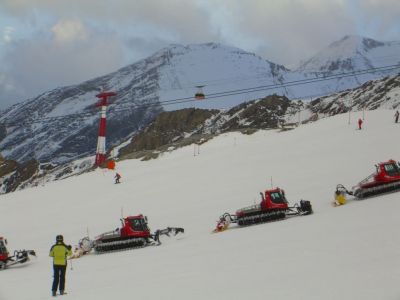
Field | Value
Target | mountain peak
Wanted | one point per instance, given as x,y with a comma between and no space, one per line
350,38
344,48
180,49
356,43
344,54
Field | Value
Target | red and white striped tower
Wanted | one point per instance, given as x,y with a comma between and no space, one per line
101,141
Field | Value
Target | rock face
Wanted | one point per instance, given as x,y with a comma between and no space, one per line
383,93
180,128
167,128
265,113
14,174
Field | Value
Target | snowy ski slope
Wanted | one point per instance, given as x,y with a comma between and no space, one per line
350,252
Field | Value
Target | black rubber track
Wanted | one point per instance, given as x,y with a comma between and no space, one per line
120,245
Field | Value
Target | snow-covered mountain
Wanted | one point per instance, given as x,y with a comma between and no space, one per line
375,94
353,53
361,59
219,69
61,125
232,76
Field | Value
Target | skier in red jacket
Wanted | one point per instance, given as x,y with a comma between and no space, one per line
360,123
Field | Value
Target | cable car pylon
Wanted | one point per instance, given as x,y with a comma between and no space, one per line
101,140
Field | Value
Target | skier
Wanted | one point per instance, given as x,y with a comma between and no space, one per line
360,123
222,224
117,178
59,251
396,116
340,198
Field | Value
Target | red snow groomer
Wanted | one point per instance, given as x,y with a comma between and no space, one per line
385,179
19,257
134,233
273,206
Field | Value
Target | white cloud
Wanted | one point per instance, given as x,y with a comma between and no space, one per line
382,17
5,83
67,31
71,41
46,61
285,30
7,34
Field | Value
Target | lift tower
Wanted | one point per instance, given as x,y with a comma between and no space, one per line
101,141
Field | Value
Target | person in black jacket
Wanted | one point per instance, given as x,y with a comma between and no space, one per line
59,251
117,177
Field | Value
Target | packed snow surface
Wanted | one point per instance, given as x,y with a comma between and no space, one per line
348,252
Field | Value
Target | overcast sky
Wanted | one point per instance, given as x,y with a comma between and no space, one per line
45,44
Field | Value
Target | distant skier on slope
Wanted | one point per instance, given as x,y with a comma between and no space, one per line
340,198
396,116
360,121
117,177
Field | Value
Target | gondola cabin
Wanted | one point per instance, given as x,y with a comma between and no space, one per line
199,94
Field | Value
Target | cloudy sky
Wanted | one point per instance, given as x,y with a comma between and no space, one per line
45,44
